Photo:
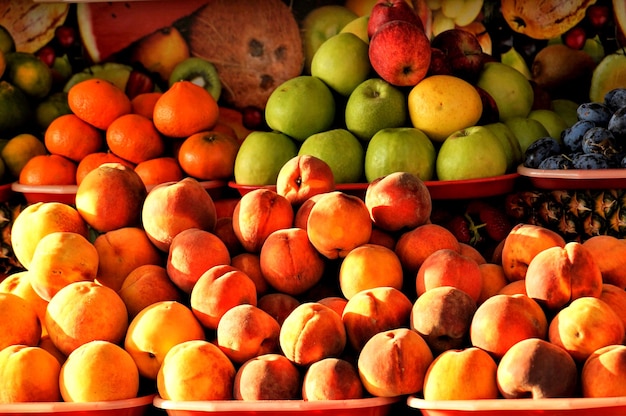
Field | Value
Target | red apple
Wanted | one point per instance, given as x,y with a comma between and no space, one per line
463,52
385,11
438,63
490,112
400,53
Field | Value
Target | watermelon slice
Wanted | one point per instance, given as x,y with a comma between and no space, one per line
108,27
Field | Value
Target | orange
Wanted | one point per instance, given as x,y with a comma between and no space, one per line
72,137
133,137
208,155
93,160
48,170
19,150
143,104
20,323
184,109
159,170
98,102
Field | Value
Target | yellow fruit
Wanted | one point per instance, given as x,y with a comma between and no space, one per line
161,51
19,150
20,323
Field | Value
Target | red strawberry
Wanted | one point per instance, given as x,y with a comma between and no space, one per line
497,224
459,226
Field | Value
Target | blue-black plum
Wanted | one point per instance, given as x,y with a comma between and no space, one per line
559,161
591,161
572,136
617,124
615,99
597,113
539,150
600,140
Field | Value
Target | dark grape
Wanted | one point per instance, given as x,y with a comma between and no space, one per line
597,113
617,124
615,99
559,161
539,150
600,140
590,161
572,136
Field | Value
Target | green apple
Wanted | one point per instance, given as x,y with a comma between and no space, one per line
509,143
319,25
471,153
526,130
373,105
359,27
300,107
510,89
515,60
341,150
261,156
610,73
567,109
553,122
400,149
342,62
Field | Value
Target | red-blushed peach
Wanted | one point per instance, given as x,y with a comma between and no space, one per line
413,246
21,325
301,215
219,289
394,363
337,223
493,280
496,255
258,214
371,311
442,316
503,320
472,252
18,283
191,253
522,244
383,238
289,262
278,305
336,303
609,252
312,332
224,207
514,288
304,176
368,266
604,372
245,332
461,374
398,201
172,207
145,285
585,325
332,379
537,369
616,299
446,267
225,231
267,377
250,264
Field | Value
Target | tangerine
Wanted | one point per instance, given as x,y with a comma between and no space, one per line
98,102
93,160
133,137
159,170
50,169
70,136
208,155
143,104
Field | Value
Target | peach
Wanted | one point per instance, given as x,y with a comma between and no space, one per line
604,372
289,262
610,254
312,332
20,323
278,305
368,266
461,374
332,379
413,246
336,303
382,238
172,207
95,204
615,297
398,201
337,223
537,369
259,213
304,176
503,320
394,363
192,252
372,311
155,330
225,231
39,219
267,377
442,316
224,207
522,244
250,264
121,251
196,370
24,367
85,311
302,212
493,280
513,288
245,332
585,325
145,285
446,267
18,283
219,289
472,252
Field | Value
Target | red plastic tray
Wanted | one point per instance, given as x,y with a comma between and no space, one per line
357,189
130,407
575,178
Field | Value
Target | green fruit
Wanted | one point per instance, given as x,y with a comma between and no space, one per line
28,73
341,150
514,59
7,43
51,107
199,71
509,142
113,72
15,110
510,89
553,122
566,109
609,74
526,130
261,156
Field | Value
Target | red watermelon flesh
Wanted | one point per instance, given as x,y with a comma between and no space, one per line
108,27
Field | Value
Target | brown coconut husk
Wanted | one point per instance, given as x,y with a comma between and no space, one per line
255,46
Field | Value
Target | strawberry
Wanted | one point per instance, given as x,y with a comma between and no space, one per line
459,226
497,224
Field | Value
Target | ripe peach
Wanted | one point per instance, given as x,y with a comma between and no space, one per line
616,299
289,262
250,264
442,316
610,254
336,303
278,305
461,374
398,201
332,379
224,207
394,363
245,332
145,285
368,266
337,223
413,246
225,231
192,252
493,280
259,213
604,371
503,320
372,311
18,283
538,369
522,244
20,323
24,367
267,377
585,325
472,252
513,288
172,207
382,238
196,370
302,177
302,212
312,332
